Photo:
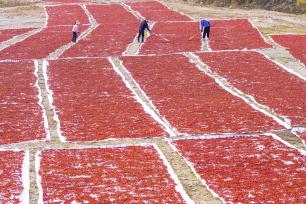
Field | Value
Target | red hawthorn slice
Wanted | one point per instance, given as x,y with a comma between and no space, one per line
93,102
41,44
294,43
134,174
250,169
11,184
171,37
21,116
66,15
155,11
113,14
191,101
235,34
267,82
10,33
106,40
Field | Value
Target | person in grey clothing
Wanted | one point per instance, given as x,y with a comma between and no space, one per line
75,30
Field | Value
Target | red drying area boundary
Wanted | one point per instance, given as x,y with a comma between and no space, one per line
7,34
155,11
235,34
11,186
259,77
20,116
251,169
112,14
191,101
294,43
41,44
117,175
66,15
95,104
171,37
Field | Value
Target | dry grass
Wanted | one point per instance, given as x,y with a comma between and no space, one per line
283,29
24,9
12,3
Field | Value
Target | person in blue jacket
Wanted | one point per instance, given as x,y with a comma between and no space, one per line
143,26
205,28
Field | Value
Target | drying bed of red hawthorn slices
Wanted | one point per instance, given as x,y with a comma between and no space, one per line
190,100
267,82
111,37
21,115
172,37
155,11
41,44
101,175
294,43
61,15
7,34
93,102
14,176
248,169
235,34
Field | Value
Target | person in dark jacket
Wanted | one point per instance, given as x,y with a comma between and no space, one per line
205,28
143,26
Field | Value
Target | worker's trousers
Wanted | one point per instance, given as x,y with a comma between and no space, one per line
206,32
74,36
141,35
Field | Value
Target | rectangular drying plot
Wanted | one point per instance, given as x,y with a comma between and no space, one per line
116,31
235,34
155,11
93,102
190,100
40,45
294,43
14,176
173,37
8,34
112,14
119,175
66,15
248,169
21,116
267,82
106,40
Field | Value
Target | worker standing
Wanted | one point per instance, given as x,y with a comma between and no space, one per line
205,28
75,30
